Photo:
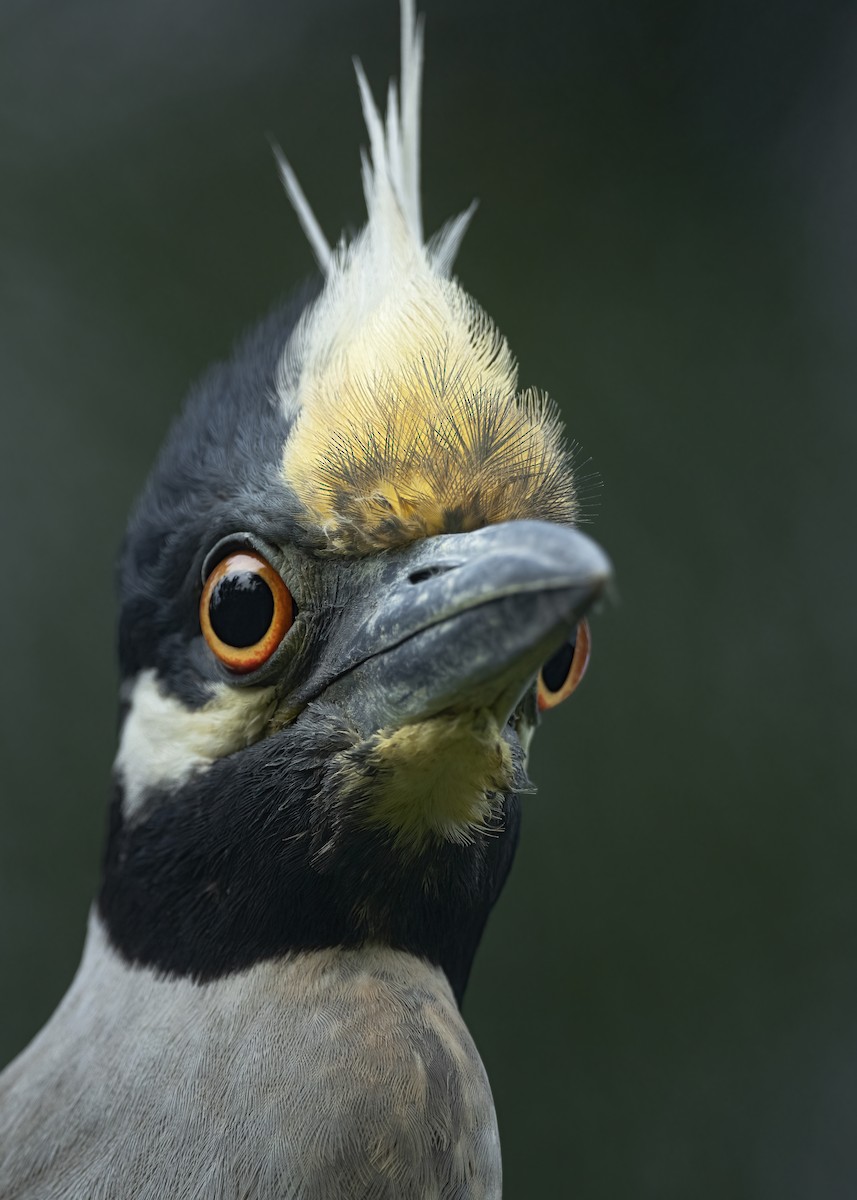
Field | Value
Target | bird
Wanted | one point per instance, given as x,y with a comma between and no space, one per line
353,585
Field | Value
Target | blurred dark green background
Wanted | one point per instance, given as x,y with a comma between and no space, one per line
666,999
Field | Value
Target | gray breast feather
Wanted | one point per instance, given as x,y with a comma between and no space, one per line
329,1075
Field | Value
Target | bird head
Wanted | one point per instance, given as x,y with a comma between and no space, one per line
349,587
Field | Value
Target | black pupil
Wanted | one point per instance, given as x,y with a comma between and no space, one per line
556,669
241,609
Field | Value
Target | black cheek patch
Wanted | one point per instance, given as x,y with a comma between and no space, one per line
257,856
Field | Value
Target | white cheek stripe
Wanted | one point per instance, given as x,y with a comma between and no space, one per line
163,743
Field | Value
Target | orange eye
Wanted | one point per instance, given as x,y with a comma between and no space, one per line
245,611
563,672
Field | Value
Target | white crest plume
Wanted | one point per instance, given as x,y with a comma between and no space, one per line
390,170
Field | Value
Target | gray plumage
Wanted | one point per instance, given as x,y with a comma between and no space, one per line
332,1074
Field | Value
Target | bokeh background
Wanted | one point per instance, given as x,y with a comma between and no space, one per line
666,998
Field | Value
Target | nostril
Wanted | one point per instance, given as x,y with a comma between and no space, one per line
425,573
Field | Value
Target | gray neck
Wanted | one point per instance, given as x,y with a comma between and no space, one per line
349,1072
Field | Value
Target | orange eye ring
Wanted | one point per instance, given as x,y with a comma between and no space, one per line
562,673
245,611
